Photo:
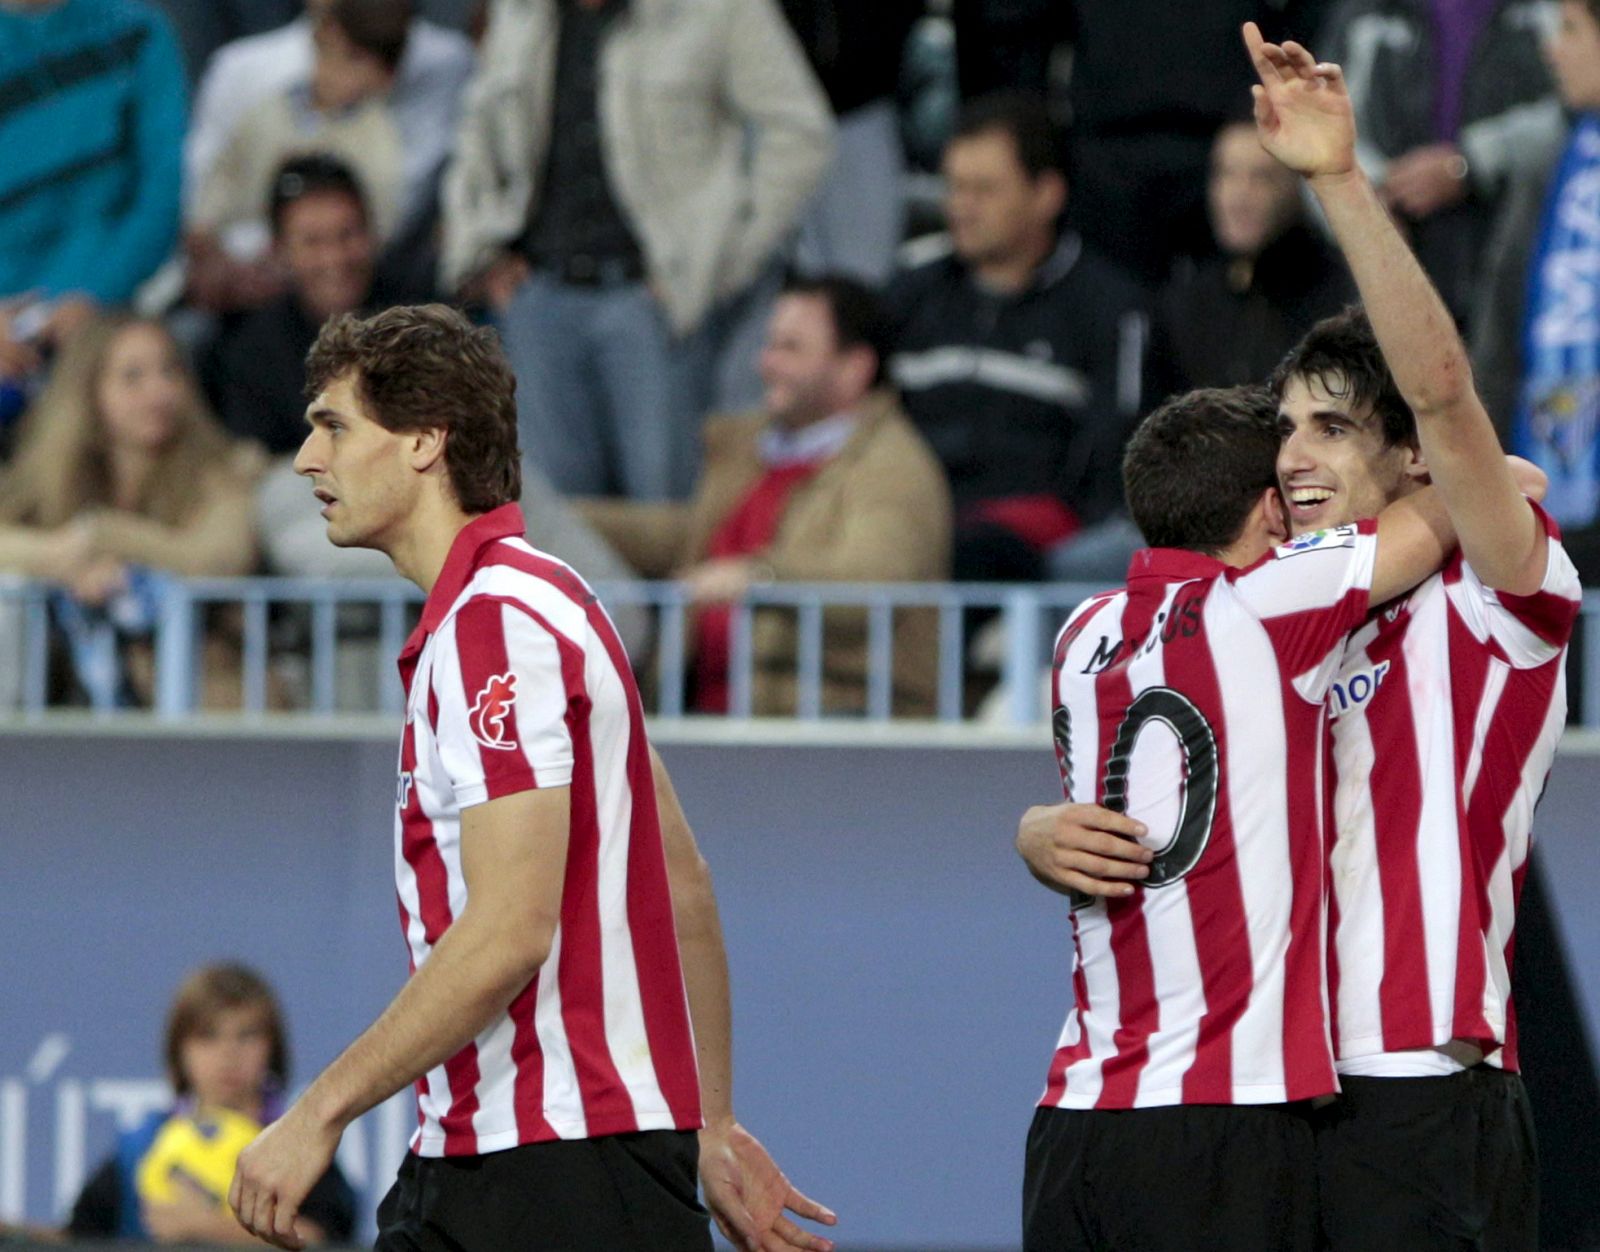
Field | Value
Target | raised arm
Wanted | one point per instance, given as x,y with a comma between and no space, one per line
1304,119
745,1190
513,857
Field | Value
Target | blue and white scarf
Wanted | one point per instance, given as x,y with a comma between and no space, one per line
1558,419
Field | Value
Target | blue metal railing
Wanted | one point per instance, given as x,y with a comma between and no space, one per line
1027,617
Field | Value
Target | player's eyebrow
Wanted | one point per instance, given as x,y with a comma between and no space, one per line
319,414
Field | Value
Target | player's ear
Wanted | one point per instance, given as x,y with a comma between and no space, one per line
1269,520
1414,465
426,448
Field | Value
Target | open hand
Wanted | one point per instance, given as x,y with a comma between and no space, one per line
748,1194
1303,113
1083,847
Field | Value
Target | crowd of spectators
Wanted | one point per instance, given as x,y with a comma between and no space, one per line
690,224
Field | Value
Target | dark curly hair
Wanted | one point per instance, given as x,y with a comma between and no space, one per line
425,367
1342,354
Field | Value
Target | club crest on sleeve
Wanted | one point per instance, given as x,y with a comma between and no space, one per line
1313,540
491,708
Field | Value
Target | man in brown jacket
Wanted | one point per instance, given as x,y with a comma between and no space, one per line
831,483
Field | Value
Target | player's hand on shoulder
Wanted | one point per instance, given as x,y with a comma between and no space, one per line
1083,847
749,1196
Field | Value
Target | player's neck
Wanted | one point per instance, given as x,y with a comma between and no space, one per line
420,552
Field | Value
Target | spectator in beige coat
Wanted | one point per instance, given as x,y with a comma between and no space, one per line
830,483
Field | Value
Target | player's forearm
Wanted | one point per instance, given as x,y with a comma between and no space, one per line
471,976
1413,327
705,976
1414,539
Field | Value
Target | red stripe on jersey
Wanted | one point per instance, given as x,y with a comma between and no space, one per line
1397,814
1070,1055
482,657
1130,938
650,920
1305,1040
528,1086
1216,901
1469,679
1301,638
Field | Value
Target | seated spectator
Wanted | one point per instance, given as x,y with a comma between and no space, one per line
227,1057
1018,351
91,117
347,105
322,240
121,473
1230,319
621,224
829,483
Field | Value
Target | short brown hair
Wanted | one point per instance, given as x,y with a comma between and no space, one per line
205,993
1197,465
425,367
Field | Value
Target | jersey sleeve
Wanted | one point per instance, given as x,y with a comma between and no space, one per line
1529,630
1310,593
506,688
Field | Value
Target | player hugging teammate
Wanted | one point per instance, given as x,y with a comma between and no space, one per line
1294,898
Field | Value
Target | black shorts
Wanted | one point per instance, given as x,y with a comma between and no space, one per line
632,1193
1241,1177
1424,1163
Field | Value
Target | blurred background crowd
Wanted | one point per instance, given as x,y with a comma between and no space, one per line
795,290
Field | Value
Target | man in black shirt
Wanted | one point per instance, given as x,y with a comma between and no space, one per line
254,373
1018,351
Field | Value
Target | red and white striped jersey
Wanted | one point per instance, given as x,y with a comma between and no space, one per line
1194,700
1446,714
516,679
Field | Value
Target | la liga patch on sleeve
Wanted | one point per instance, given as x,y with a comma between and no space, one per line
1313,540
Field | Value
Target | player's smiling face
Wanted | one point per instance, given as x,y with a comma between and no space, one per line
359,469
1333,464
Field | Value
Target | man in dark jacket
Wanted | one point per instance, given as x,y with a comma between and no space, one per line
1019,352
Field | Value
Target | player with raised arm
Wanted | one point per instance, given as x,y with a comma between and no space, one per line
1447,710
1176,1112
560,921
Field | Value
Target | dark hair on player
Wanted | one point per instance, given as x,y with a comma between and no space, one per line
378,27
1196,466
425,367
1024,118
1342,355
205,993
858,317
315,173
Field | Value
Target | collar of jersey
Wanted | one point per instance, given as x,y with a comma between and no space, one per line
1173,563
461,564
